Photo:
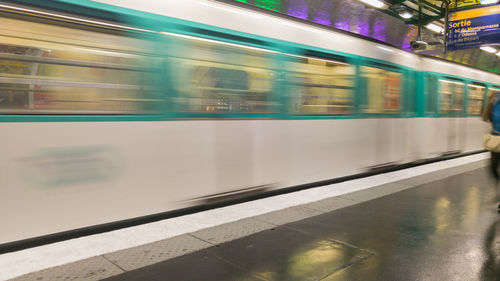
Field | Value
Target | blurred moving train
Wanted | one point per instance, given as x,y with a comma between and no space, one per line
180,101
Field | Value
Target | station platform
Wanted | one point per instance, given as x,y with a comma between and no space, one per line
432,222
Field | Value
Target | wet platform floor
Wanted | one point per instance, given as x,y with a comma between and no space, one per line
444,230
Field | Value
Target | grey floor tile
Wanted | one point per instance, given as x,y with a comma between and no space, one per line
199,266
360,196
231,231
155,252
95,268
478,164
475,166
445,173
330,204
459,170
422,179
442,174
386,189
288,215
469,167
288,255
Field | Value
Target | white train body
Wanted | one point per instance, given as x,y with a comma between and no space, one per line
59,176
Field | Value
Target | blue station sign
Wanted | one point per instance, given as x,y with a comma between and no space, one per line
473,28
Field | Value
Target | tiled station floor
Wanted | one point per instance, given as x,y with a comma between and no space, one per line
438,226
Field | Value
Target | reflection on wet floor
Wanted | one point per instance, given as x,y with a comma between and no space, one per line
444,230
491,267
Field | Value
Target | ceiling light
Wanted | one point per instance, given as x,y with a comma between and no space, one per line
488,49
385,49
434,27
405,14
487,2
375,3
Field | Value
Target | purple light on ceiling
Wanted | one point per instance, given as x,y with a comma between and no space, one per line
344,25
323,15
298,9
363,27
406,46
379,30
410,36
323,18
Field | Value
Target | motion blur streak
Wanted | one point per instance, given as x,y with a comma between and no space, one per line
105,122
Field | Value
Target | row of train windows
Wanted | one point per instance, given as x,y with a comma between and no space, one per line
451,98
210,77
40,76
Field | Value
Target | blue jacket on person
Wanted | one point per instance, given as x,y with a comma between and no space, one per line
495,114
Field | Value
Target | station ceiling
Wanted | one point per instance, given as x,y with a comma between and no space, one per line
384,25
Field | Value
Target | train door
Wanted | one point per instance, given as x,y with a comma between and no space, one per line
451,105
383,101
476,93
226,91
230,84
433,131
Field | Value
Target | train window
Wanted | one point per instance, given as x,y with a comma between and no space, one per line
451,97
319,86
431,94
218,77
383,88
476,95
58,70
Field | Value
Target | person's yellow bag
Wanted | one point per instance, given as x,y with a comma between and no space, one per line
491,142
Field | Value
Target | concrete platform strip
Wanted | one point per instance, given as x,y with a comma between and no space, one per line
100,256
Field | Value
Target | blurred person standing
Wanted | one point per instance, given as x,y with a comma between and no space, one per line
492,115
